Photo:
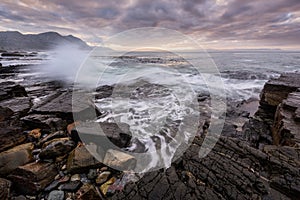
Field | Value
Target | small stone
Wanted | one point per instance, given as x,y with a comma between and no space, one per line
71,186
87,191
57,177
64,167
92,174
104,169
64,179
75,177
35,133
105,186
56,195
52,186
102,177
21,197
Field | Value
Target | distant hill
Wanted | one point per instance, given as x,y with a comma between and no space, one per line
14,40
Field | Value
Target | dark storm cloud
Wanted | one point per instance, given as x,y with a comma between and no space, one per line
270,22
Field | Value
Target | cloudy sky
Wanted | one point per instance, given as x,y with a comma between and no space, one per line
212,23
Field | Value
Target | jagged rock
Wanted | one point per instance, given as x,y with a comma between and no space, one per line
10,89
44,121
274,92
56,147
10,137
33,177
119,160
56,195
286,128
15,157
4,189
81,160
19,105
232,170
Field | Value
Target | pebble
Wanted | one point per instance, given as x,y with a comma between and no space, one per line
102,177
71,186
75,177
56,195
105,186
92,174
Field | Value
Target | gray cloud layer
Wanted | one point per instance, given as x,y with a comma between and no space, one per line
217,23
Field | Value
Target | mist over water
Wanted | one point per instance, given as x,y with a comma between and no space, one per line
63,62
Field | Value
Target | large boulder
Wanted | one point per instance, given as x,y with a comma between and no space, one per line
44,121
15,157
33,177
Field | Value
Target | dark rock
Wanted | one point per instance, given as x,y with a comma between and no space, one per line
44,121
5,113
274,92
33,177
55,135
80,160
286,127
10,137
61,106
52,186
72,186
232,170
103,92
15,157
119,134
56,195
10,89
4,189
19,105
56,147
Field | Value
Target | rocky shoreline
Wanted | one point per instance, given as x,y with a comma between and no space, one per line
41,156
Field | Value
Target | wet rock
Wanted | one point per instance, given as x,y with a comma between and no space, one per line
10,89
15,157
56,195
55,135
72,186
33,177
232,170
52,186
56,147
10,137
119,160
5,113
119,134
104,92
80,160
4,188
44,121
61,106
19,105
102,177
286,127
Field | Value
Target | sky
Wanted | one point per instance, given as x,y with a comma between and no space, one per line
214,24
